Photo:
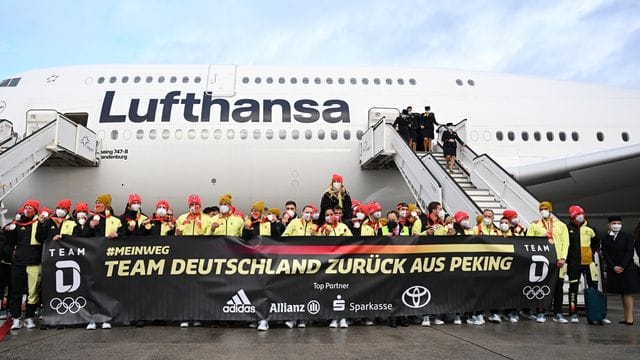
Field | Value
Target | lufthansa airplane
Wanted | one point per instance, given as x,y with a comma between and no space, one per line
276,133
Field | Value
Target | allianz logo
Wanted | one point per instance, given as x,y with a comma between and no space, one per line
239,304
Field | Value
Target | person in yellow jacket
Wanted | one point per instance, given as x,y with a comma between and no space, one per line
393,227
487,227
103,222
333,226
556,231
461,224
504,227
517,229
60,223
195,222
132,218
227,222
302,226
414,223
372,226
257,223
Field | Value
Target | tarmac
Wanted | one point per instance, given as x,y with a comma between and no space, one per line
523,340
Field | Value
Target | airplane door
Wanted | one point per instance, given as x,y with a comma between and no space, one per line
221,81
389,115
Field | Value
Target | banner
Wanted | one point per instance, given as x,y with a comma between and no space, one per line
226,278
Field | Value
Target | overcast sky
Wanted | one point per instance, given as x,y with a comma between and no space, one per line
595,41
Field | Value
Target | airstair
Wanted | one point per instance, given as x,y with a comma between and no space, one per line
50,140
477,182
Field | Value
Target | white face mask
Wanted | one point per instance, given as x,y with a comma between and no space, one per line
82,221
464,223
270,217
487,221
45,214
616,227
403,213
135,207
356,225
337,185
291,213
360,216
162,212
441,214
504,227
224,209
515,221
19,216
580,219
315,216
377,214
545,214
192,209
414,214
306,216
81,215
61,213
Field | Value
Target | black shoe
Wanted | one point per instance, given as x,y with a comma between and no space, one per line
403,322
139,323
629,323
393,323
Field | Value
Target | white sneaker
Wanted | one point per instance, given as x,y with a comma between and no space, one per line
540,318
606,321
91,325
333,324
263,325
343,324
368,322
495,318
437,321
184,324
471,320
457,320
197,324
560,319
253,325
17,324
574,319
513,318
106,325
479,320
290,323
29,324
426,321
302,324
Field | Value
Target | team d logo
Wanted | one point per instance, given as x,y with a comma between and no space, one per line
539,268
67,276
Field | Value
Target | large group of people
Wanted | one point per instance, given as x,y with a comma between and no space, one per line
576,243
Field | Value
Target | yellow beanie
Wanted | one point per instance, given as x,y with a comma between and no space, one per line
546,204
258,205
105,199
479,219
225,199
275,211
411,208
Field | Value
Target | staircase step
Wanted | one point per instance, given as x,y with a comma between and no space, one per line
489,205
478,192
483,198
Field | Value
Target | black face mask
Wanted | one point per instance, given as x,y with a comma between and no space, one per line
392,224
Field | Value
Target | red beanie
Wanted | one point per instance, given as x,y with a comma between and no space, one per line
460,215
575,210
374,206
82,207
363,208
44,208
194,199
134,198
510,214
33,203
64,204
336,178
164,203
354,204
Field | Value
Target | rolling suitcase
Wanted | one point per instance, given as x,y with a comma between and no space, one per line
596,305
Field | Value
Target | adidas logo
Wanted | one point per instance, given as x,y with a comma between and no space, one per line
239,304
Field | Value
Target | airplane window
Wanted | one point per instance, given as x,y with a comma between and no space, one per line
400,81
600,136
197,79
269,80
204,134
185,79
294,80
499,135
511,136
549,136
256,134
525,136
334,134
165,134
230,134
243,134
136,79
139,134
575,136
625,136
321,134
282,134
191,134
376,81
471,82
412,81
153,134
317,81
281,80
100,80
329,81
459,82
562,136
341,81
353,81
113,79
389,81
178,134
173,79
365,81
125,79
149,79
160,79
217,134
258,80
307,134
305,80
347,134
536,135
359,134
114,134
295,134
269,134
245,80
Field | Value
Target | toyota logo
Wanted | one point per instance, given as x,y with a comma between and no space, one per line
536,292
68,304
416,297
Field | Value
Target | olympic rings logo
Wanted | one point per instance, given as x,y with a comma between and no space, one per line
68,304
536,292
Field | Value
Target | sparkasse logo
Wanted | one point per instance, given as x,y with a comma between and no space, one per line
239,304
